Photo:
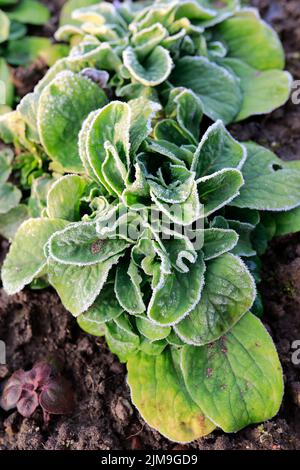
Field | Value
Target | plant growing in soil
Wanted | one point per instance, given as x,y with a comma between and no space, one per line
41,386
146,233
226,54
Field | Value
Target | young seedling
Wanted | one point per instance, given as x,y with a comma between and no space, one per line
40,386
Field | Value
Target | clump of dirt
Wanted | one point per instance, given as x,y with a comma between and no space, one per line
34,325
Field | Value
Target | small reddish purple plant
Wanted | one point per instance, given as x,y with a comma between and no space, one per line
42,385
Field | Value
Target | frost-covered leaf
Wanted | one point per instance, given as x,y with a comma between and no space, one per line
10,197
237,380
244,230
153,348
6,158
169,302
121,338
64,198
105,308
63,106
26,258
270,183
184,213
217,150
127,287
185,106
218,241
218,189
217,88
153,70
79,286
110,124
151,331
12,220
79,244
142,113
159,393
228,293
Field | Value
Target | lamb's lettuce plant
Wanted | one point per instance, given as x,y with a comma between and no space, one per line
226,54
146,235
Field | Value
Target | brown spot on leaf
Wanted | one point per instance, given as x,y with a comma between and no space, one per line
209,372
97,246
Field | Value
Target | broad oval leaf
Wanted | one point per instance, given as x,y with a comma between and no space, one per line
154,70
218,189
79,286
104,309
216,151
270,183
158,391
121,338
218,89
64,198
80,245
237,380
10,197
229,291
176,294
127,287
26,258
63,106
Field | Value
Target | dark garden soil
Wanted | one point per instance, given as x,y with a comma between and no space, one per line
34,325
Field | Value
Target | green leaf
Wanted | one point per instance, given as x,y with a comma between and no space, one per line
185,106
26,258
12,220
104,309
64,198
79,286
169,302
218,241
217,88
228,293
142,113
110,124
79,244
30,12
152,71
150,330
216,151
63,106
26,50
251,40
263,91
270,183
159,393
154,348
287,222
237,380
121,338
6,80
69,7
4,26
6,158
127,287
244,230
10,196
184,213
218,189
